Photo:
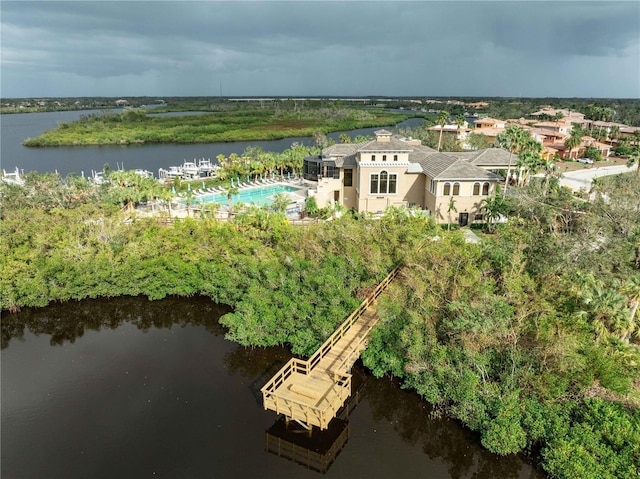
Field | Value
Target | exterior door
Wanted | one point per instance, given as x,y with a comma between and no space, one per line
463,219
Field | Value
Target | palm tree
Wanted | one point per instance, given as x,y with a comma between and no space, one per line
189,199
231,192
634,158
511,139
280,202
574,140
614,133
605,310
528,162
550,170
492,209
443,118
452,207
166,195
631,289
128,184
344,138
209,209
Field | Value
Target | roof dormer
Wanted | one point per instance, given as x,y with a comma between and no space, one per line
383,136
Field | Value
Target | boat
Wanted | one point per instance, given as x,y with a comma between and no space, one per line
190,169
143,173
98,177
12,178
172,172
206,167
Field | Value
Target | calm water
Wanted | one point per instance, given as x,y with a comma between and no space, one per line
16,128
128,388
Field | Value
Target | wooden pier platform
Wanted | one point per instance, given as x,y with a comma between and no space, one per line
312,391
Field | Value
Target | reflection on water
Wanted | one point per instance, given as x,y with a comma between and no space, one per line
65,322
131,388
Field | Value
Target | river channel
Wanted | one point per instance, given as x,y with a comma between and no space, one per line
16,128
131,388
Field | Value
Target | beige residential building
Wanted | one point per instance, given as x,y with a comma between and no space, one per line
389,171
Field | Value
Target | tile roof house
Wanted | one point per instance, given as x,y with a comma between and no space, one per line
389,171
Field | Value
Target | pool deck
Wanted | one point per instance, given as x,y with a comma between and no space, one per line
179,209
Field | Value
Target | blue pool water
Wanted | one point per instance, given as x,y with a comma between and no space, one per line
259,195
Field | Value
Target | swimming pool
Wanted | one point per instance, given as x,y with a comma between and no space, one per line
259,195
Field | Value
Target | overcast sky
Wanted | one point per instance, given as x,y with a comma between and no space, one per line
381,48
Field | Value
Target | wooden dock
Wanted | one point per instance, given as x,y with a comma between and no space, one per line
312,391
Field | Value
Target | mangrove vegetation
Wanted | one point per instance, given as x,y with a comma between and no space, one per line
139,127
530,337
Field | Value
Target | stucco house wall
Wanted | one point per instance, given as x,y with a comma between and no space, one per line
419,173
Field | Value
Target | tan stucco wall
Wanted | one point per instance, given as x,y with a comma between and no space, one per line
326,189
414,193
465,202
406,190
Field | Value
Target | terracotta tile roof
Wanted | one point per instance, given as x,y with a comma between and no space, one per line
487,131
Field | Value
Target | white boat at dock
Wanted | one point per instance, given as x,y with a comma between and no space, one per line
98,177
190,169
171,173
14,178
143,173
207,168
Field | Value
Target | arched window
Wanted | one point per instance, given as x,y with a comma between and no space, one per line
383,183
446,191
476,189
456,189
485,189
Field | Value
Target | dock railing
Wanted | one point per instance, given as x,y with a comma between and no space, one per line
324,349
341,378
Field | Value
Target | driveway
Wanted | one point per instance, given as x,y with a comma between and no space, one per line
581,179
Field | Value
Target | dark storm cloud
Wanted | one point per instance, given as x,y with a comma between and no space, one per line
334,48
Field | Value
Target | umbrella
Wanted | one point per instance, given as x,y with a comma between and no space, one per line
231,182
173,190
188,186
203,185
288,175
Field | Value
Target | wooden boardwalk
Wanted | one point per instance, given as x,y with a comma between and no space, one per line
312,391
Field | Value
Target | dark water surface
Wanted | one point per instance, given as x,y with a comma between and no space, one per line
128,388
15,128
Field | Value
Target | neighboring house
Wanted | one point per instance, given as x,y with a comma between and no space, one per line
588,141
489,123
557,126
478,104
461,132
628,131
389,171
490,132
569,116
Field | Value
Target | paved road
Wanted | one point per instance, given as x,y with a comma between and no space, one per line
581,179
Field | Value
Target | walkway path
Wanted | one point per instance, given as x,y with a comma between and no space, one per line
582,179
311,392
